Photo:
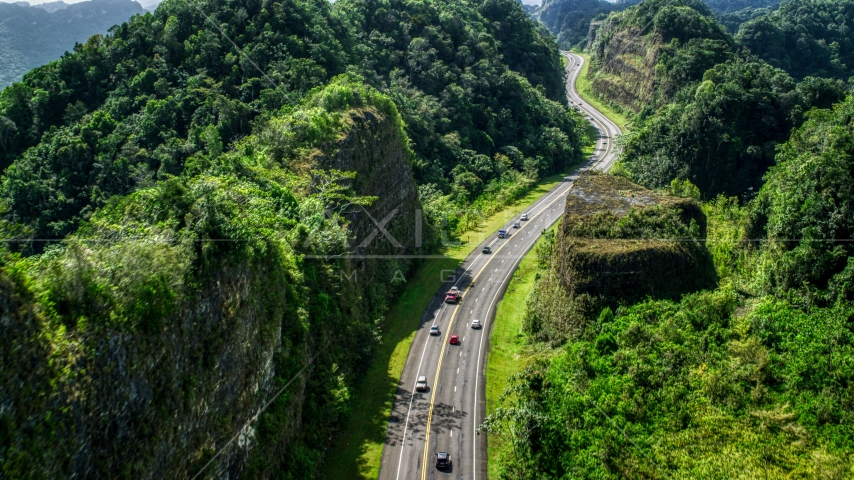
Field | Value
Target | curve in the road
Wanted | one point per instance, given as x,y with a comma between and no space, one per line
453,405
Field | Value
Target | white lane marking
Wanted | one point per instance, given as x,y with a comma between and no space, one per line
411,398
452,433
484,288
458,371
476,299
455,388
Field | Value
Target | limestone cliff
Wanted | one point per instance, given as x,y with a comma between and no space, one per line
641,57
144,355
617,244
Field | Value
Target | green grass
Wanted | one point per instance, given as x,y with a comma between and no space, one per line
509,349
585,89
506,345
357,452
564,61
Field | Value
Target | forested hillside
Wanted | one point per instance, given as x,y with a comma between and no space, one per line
31,36
705,109
748,379
569,20
805,38
643,56
732,21
731,6
179,199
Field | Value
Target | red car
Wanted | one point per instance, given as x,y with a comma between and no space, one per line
453,295
455,340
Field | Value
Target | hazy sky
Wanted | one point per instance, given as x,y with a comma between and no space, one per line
36,2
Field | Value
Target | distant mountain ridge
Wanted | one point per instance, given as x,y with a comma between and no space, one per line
31,36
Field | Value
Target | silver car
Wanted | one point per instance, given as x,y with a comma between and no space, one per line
434,330
421,384
475,324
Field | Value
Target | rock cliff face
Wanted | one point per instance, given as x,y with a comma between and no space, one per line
625,62
617,244
160,401
642,56
622,243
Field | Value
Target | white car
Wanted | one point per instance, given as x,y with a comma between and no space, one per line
434,330
524,216
475,324
421,384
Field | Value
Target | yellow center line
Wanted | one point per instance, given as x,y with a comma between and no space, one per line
456,310
447,332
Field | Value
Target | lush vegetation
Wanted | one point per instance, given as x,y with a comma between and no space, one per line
570,20
172,184
748,380
135,107
707,110
805,38
35,35
732,21
643,56
722,133
732,6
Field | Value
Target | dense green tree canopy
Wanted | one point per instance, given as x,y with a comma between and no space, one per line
806,205
805,38
134,107
722,134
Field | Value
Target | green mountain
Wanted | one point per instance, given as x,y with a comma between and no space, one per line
570,20
704,109
180,198
804,38
639,369
35,35
722,7
732,21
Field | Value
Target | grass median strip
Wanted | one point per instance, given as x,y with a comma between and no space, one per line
507,346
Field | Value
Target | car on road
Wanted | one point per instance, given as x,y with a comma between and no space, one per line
502,233
524,217
453,295
421,384
486,249
475,324
517,225
434,330
443,460
455,340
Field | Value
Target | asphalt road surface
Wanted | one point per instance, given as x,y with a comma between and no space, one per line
446,416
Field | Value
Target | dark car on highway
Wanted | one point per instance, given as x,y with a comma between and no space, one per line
443,460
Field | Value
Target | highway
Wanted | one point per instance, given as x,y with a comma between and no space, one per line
446,416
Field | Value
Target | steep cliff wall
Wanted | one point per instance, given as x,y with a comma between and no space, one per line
617,244
624,62
645,54
143,355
